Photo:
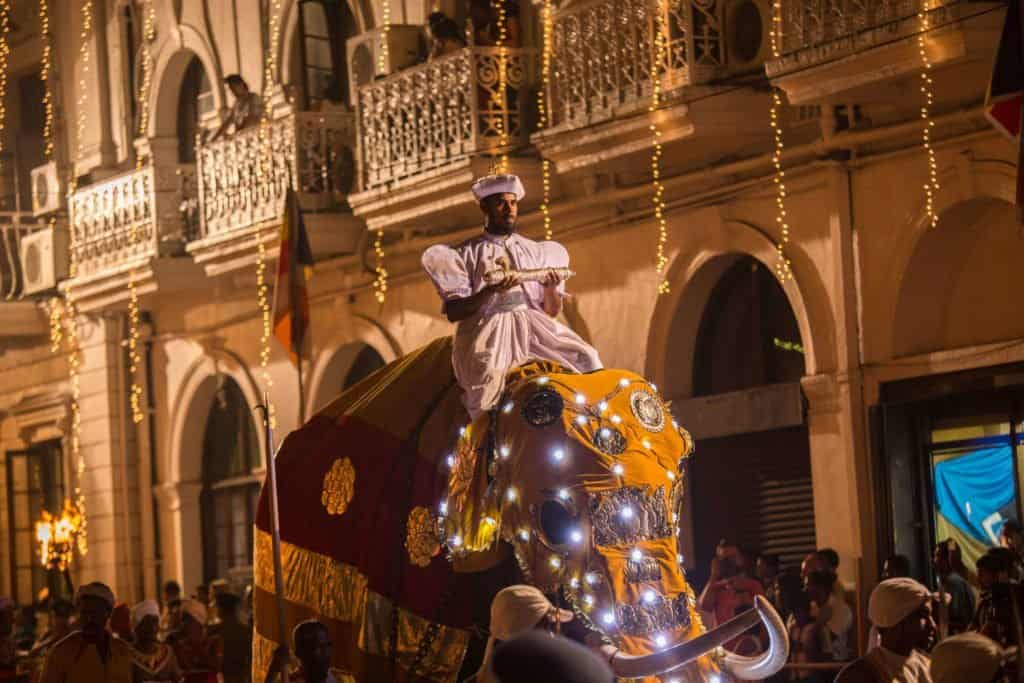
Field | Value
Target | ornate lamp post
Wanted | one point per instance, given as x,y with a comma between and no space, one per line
58,537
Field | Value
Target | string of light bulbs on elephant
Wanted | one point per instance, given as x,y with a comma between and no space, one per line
658,200
783,267
931,185
380,279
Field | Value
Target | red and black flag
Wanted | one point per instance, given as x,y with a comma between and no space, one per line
1006,89
291,301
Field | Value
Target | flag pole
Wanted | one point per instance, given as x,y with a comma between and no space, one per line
302,391
275,520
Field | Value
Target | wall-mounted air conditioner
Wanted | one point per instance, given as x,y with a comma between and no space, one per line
47,192
44,259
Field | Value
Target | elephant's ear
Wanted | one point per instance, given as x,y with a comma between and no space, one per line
482,560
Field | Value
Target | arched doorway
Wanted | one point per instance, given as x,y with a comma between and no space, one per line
349,365
195,103
231,457
747,418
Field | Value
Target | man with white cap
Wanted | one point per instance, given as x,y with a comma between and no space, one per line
507,321
968,658
901,610
514,611
91,654
154,661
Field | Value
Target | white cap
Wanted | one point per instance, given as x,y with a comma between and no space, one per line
519,608
966,658
144,609
498,184
893,600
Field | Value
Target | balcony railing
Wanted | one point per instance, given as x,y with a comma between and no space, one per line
243,179
442,111
130,216
813,23
604,54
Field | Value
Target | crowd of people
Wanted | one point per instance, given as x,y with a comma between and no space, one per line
206,638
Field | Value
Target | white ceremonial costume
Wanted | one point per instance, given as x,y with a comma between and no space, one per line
512,328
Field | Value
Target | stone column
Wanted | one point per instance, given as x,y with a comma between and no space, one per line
181,529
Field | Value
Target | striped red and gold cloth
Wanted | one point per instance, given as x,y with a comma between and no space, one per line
356,484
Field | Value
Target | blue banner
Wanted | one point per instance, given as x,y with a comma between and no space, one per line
976,492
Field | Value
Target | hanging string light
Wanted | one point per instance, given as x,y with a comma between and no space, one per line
783,270
658,200
55,306
500,99
5,53
543,110
931,186
380,280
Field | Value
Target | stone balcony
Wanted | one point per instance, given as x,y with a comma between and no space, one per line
129,225
427,131
243,181
853,51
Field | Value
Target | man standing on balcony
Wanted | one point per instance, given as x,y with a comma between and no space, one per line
505,322
245,112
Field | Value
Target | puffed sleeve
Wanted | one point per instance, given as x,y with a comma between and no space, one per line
555,256
447,271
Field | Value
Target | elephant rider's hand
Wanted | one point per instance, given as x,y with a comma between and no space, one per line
552,279
508,282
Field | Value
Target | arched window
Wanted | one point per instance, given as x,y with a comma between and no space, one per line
367,362
748,334
230,488
324,26
194,102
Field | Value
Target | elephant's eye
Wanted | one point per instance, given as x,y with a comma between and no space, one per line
557,523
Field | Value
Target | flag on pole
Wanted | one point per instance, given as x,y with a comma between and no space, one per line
291,301
1006,89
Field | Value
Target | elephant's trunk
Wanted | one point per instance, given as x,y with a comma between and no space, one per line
747,668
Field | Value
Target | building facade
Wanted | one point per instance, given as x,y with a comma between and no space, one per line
819,402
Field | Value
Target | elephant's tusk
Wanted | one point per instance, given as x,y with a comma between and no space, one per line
749,668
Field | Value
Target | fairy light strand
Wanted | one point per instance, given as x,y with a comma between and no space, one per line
500,99
783,267
543,115
380,279
931,185
658,198
5,53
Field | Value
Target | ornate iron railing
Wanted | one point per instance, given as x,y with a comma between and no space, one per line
811,23
604,54
442,111
243,179
130,216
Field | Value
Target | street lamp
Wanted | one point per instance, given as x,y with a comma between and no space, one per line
57,537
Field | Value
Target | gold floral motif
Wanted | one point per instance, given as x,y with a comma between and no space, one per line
421,536
339,487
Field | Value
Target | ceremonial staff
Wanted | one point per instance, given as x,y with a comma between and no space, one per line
275,522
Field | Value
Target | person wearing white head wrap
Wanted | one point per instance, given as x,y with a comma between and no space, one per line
901,610
516,610
504,291
144,609
968,658
154,661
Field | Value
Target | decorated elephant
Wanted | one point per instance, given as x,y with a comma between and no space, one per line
399,521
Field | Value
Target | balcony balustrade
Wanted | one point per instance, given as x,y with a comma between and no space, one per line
243,179
130,217
443,111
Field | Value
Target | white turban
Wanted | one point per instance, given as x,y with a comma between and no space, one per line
96,590
498,184
194,609
144,609
517,609
894,600
966,658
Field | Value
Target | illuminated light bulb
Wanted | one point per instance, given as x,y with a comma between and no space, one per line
524,535
505,451
511,494
714,678
507,408
616,419
674,517
591,578
455,541
588,600
543,380
677,680
646,443
577,536
555,562
671,475
679,558
558,455
563,494
650,597
655,387
618,469
462,431
608,618
580,399
581,420
627,512
636,555
660,640
443,507
605,432
602,406
450,460
624,382
574,582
